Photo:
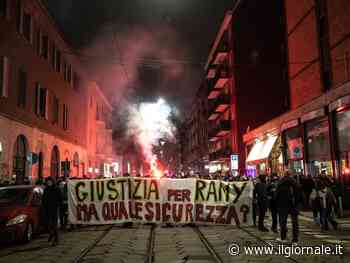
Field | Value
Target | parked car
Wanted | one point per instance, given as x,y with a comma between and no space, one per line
20,212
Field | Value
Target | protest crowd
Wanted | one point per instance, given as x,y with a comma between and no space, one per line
280,196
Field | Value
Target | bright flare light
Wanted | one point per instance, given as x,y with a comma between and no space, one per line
149,123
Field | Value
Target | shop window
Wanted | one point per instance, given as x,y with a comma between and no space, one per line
55,162
20,152
22,88
4,76
343,135
318,147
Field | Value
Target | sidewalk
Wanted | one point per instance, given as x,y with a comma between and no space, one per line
345,220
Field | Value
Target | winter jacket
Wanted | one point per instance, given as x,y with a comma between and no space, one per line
51,202
288,195
260,194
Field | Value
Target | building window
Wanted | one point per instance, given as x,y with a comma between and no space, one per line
67,72
55,110
44,50
53,55
97,112
27,26
318,147
41,101
58,61
22,88
76,81
55,162
65,69
19,165
65,117
19,16
3,8
4,76
38,41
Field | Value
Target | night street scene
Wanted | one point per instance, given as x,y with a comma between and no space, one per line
174,131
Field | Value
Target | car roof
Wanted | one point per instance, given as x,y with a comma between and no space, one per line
19,187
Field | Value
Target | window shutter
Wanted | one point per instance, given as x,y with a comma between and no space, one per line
19,16
2,74
38,42
37,98
46,93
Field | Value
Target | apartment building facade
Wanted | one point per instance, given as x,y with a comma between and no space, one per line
44,97
246,77
194,135
313,135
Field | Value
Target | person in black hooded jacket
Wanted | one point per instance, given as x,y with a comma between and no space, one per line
51,203
288,200
260,195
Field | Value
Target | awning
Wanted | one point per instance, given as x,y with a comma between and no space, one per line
261,150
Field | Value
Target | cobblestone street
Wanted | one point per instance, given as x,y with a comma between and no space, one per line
144,243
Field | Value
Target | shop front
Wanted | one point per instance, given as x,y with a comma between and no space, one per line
318,147
343,136
294,148
265,157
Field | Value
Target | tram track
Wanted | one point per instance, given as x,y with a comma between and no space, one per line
267,243
85,251
216,257
150,246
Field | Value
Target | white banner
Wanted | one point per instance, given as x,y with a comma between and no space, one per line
151,200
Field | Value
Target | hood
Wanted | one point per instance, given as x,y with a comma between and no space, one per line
10,211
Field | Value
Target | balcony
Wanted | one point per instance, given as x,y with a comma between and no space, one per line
220,154
218,105
221,53
220,130
219,81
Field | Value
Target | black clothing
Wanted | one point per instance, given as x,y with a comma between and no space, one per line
64,204
295,225
271,194
260,195
51,201
288,200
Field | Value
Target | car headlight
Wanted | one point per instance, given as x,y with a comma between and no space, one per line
17,220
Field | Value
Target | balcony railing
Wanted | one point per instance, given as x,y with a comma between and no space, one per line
219,81
219,130
218,105
221,53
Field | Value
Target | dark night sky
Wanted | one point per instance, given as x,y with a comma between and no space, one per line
144,48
